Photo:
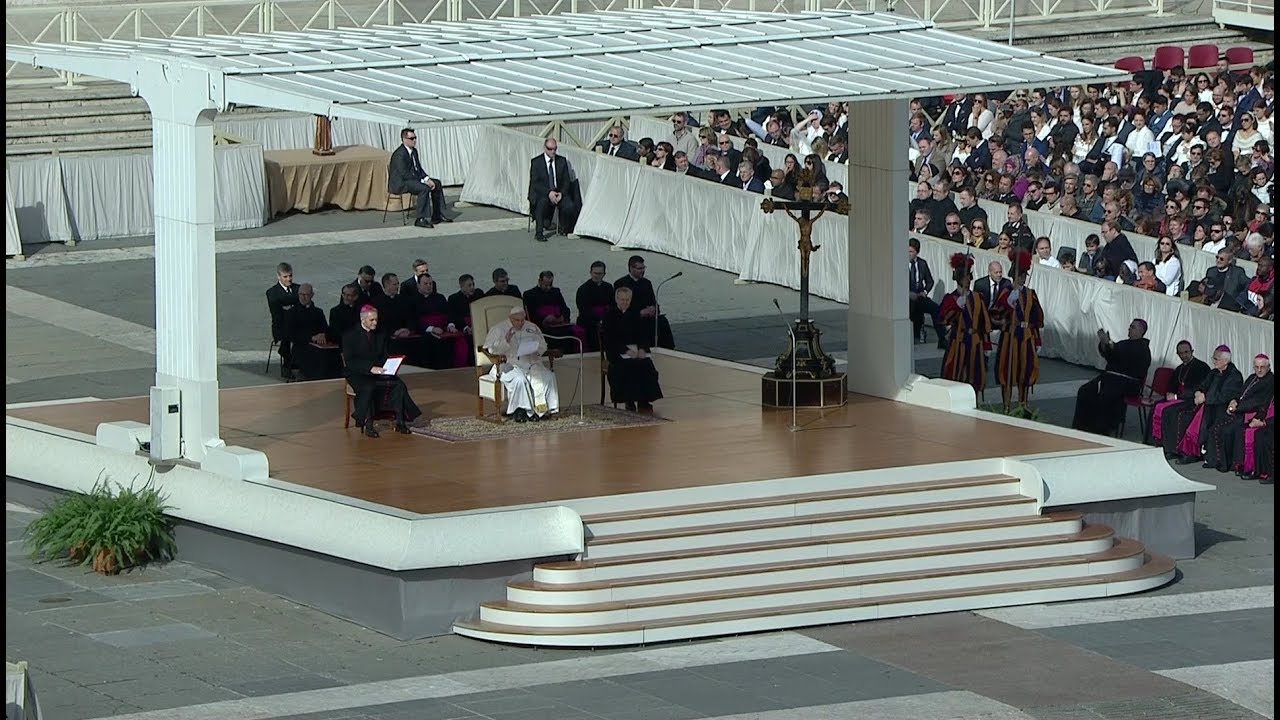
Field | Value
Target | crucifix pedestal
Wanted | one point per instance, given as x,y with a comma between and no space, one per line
815,382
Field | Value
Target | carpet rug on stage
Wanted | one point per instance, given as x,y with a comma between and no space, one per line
594,417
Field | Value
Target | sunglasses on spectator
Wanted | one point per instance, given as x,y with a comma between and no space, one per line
726,142
949,222
410,137
615,136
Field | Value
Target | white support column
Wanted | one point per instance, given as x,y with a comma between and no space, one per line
879,330
183,104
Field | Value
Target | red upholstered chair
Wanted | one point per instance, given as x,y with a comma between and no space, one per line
1168,57
1133,64
1202,56
1161,384
1240,56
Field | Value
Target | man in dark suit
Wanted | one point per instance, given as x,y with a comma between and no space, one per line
643,296
839,151
724,175
990,287
684,167
979,159
281,297
747,174
616,144
549,178
919,283
502,285
364,351
313,355
407,176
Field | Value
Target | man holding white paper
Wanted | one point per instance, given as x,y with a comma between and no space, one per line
372,375
517,345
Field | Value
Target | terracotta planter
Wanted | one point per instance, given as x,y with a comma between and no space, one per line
77,553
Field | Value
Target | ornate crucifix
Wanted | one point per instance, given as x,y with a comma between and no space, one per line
810,360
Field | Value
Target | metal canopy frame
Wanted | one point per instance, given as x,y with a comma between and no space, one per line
584,66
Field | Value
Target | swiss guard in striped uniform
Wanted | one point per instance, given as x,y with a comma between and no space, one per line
968,327
1018,315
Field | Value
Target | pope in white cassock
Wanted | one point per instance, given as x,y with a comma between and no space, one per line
529,386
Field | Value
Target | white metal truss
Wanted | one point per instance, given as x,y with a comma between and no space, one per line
580,66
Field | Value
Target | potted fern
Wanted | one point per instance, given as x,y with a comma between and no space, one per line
1021,412
108,529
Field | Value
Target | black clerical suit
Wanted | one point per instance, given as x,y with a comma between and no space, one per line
398,312
1100,402
511,290
539,303
279,301
1264,447
1187,378
311,362
593,300
547,174
407,176
1224,439
342,317
642,296
460,308
362,350
1219,387
631,380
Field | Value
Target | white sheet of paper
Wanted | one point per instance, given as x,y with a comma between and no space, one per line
527,347
392,366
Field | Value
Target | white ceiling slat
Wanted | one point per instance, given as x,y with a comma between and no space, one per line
612,62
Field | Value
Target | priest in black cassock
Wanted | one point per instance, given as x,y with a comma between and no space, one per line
346,314
1100,402
643,297
547,308
460,304
1224,439
594,298
633,379
1210,398
314,357
364,350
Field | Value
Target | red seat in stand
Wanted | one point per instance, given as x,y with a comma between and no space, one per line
1161,384
1240,56
1168,57
1133,64
1202,56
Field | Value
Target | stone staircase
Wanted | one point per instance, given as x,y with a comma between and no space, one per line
871,549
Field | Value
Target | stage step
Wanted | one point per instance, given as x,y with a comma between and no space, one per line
1156,570
808,548
857,548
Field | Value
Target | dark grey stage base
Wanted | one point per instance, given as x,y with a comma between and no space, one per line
406,605
1165,524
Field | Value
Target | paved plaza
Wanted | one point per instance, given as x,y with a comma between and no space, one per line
176,642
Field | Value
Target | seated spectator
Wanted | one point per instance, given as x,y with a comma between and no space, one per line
1262,285
1018,229
1111,211
1185,426
969,209
365,351
663,156
645,149
369,287
748,179
593,298
919,284
1044,253
515,347
314,356
1186,379
1222,284
1224,439
1213,243
724,175
442,345
502,285
835,193
682,138
1052,198
1067,259
1004,243
777,186
282,297
1146,278
684,167
1100,402
410,285
977,235
633,379
1088,263
1168,265
1067,208
345,315
549,311
616,144
1117,248
406,175
920,222
549,180
1255,248
953,229
396,317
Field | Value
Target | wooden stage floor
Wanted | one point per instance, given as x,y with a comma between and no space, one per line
718,434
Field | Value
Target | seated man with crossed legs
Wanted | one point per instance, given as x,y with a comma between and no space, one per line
364,349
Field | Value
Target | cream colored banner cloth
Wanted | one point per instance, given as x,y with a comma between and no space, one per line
12,237
353,178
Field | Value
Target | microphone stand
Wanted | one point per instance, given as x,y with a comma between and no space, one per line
791,334
657,309
578,390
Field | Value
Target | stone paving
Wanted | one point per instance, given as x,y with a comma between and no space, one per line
178,642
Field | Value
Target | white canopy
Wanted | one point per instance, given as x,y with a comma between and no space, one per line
580,66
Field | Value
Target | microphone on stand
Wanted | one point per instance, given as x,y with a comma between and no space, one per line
658,308
792,334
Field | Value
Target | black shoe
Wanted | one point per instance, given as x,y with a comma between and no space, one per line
1247,475
644,406
1265,481
402,428
631,406
445,218
540,238
535,417
522,416
1185,460
423,223
369,430
437,221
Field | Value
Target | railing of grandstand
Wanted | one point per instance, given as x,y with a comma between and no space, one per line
1255,14
167,18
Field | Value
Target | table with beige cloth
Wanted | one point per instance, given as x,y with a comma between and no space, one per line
354,177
